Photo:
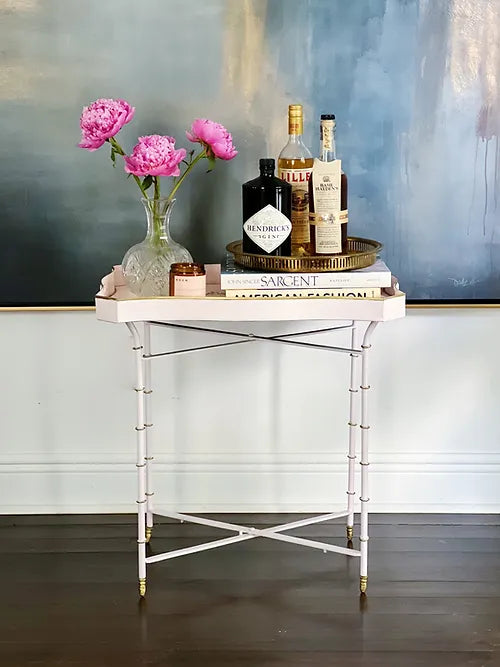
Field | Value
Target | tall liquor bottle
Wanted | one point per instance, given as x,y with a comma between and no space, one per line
328,196
267,208
294,166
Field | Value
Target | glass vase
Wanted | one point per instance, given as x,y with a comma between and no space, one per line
146,265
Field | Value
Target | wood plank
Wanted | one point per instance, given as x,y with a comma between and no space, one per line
238,624
105,657
235,561
62,544
268,518
184,597
128,531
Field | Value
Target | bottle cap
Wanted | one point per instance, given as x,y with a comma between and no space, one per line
327,116
295,119
266,164
187,269
295,110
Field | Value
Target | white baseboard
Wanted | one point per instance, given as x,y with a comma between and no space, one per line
423,482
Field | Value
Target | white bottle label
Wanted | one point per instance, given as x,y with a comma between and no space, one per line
326,186
326,128
329,233
189,286
327,217
268,228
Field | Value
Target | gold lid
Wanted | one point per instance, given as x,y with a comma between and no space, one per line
187,268
295,119
295,110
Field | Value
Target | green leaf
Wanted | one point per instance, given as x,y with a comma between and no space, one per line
113,155
147,182
211,163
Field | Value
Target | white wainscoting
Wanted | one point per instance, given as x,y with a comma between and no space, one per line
251,428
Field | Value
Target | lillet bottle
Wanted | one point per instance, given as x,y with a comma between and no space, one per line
294,166
267,205
328,213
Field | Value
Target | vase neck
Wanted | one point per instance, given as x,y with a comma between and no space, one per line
158,213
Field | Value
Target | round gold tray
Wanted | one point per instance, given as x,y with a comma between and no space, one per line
360,254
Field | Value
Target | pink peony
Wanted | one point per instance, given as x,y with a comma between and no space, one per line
103,119
155,155
213,136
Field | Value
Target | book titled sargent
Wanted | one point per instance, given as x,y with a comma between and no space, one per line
376,275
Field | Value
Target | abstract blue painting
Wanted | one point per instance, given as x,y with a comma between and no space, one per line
414,84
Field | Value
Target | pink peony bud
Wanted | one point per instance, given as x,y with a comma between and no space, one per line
155,155
103,119
214,137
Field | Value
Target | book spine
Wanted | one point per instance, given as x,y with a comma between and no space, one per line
285,281
368,293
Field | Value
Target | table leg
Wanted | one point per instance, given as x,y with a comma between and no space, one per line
365,427
141,458
148,424
353,431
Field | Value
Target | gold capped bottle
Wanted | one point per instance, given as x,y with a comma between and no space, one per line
328,213
294,166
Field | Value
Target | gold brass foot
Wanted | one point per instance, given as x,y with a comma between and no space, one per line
149,530
349,532
142,587
363,583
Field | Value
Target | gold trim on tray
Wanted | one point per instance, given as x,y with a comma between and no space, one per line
221,297
360,254
41,309
52,309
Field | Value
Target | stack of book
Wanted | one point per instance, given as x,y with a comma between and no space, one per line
369,283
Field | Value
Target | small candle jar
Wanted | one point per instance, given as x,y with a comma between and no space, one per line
187,279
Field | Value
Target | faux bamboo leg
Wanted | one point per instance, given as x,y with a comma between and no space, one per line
353,431
365,427
148,425
141,459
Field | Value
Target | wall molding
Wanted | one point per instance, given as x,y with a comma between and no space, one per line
239,458
249,482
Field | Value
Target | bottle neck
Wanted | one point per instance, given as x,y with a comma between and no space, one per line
327,146
327,154
295,125
295,148
295,139
266,173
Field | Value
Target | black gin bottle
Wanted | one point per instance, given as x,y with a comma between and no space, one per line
267,209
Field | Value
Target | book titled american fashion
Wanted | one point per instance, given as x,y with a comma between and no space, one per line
376,275
362,293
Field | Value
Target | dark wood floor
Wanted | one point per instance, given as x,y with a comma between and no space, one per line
69,596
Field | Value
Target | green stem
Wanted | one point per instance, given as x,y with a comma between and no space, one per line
120,151
201,155
156,212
